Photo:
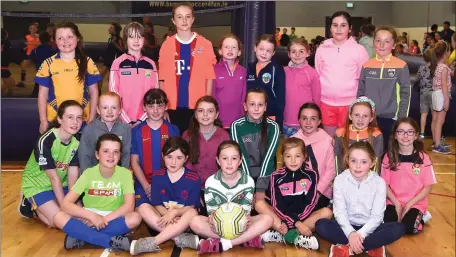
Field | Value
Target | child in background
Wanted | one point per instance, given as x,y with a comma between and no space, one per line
31,42
386,80
338,61
258,137
70,74
52,166
109,110
229,184
409,176
441,87
132,75
50,28
268,75
115,49
204,135
41,53
7,58
414,48
322,145
424,78
175,196
361,125
147,142
230,80
109,201
293,198
186,67
302,85
359,203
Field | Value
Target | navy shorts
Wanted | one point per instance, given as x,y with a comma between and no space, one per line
44,197
140,195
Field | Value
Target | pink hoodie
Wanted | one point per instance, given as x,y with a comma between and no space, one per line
339,68
323,148
302,86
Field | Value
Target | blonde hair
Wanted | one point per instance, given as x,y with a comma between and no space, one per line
293,142
363,146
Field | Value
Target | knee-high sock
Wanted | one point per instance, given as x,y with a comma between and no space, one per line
116,227
77,229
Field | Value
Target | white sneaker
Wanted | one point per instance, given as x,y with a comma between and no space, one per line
307,242
272,236
427,217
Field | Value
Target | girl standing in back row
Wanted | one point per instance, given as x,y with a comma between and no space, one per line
339,61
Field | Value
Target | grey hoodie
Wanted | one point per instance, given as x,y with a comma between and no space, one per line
89,138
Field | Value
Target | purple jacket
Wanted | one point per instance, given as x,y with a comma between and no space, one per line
229,90
207,164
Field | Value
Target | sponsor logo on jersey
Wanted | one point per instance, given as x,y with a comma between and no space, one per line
42,160
125,73
68,70
105,192
251,77
61,165
391,72
73,152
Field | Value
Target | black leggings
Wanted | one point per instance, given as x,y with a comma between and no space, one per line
413,219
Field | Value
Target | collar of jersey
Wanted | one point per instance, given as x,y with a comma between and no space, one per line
388,58
188,41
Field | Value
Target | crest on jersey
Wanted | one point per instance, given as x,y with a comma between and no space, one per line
73,152
148,74
391,72
266,78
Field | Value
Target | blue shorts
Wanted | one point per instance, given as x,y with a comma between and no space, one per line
140,195
44,197
288,131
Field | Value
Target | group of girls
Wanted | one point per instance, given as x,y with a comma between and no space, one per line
253,103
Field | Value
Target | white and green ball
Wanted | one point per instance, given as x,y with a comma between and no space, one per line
230,220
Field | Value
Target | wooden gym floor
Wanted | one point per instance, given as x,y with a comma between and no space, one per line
28,237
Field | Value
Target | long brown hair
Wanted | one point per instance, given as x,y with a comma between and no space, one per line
194,128
264,122
268,38
393,145
80,57
437,54
370,129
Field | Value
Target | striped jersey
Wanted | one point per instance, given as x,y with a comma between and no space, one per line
218,192
49,153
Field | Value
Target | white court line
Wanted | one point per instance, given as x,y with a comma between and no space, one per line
445,173
12,170
105,253
443,164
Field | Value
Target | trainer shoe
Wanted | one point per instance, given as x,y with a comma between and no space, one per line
272,236
210,245
421,136
71,242
187,240
144,245
256,242
24,208
307,242
443,142
120,243
377,252
426,217
440,149
339,251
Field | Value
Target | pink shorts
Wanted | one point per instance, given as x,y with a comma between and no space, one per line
333,115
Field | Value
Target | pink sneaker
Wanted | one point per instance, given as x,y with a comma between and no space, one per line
209,246
256,242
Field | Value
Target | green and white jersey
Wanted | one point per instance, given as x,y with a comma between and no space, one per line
217,192
49,153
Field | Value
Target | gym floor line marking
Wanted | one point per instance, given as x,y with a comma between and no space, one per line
105,253
451,196
443,164
12,170
444,173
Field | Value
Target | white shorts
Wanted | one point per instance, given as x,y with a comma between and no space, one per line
101,213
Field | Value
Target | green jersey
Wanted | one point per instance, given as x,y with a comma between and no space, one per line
104,194
217,192
49,153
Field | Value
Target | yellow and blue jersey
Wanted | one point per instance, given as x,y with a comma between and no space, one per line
61,77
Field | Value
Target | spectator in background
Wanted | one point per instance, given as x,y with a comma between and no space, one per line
427,44
277,36
437,36
434,28
367,40
405,34
293,35
446,33
169,33
433,41
284,31
399,49
149,35
414,49
316,43
50,28
424,42
41,53
284,39
404,42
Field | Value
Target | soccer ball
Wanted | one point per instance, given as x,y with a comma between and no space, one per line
230,220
